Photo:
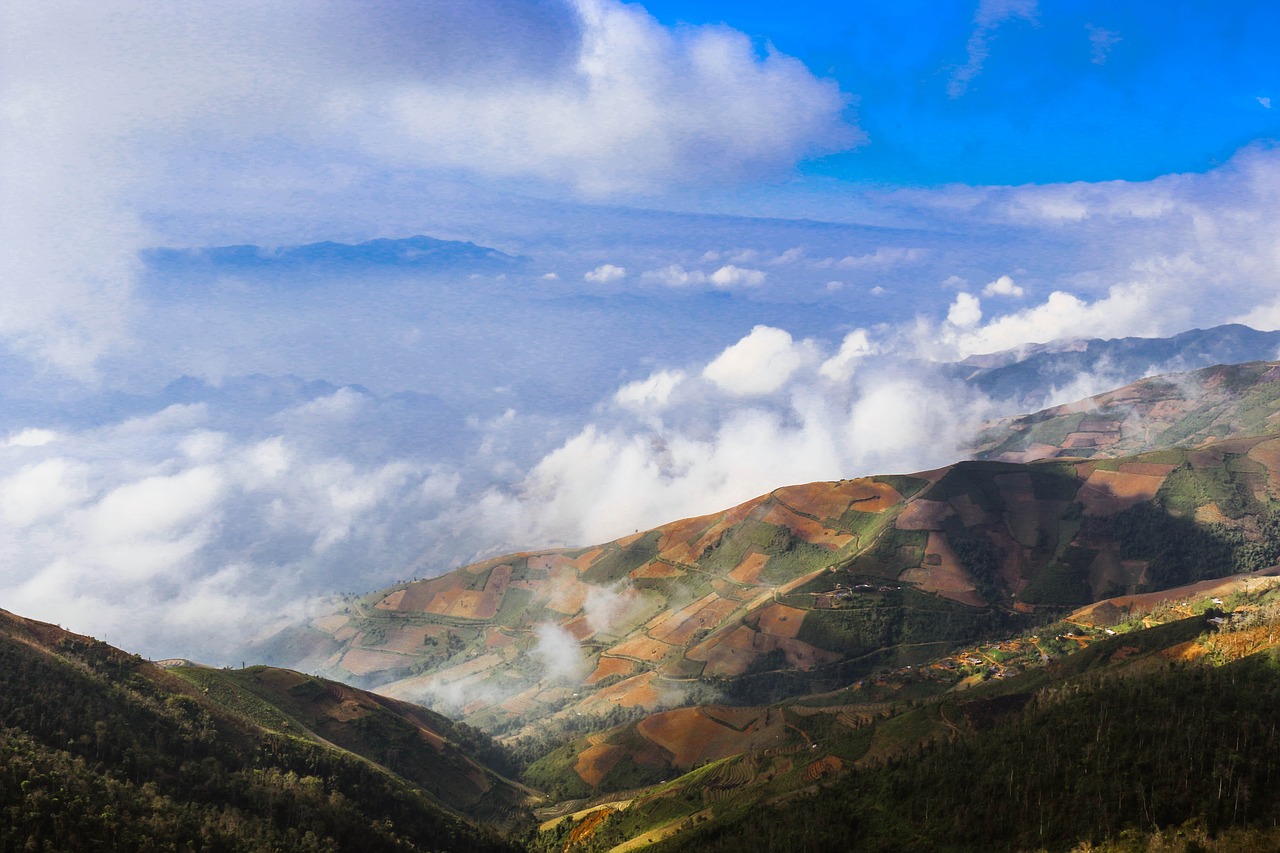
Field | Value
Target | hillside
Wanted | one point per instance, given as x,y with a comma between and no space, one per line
800,591
1154,733
102,750
1175,410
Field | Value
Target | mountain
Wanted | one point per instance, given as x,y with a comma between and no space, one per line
408,253
103,750
805,589
1175,410
1154,733
1028,373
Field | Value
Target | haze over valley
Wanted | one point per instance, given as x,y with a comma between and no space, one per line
629,380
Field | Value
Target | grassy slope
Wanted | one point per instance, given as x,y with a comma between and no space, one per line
103,750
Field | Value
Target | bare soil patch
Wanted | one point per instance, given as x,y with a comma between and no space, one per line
781,621
924,515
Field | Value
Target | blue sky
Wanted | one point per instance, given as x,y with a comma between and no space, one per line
1059,91
728,242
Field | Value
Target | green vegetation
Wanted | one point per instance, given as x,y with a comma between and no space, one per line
617,562
903,484
100,750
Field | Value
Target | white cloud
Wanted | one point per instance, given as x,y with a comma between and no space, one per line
1265,101
758,364
965,311
883,256
102,106
1003,286
651,393
729,276
854,348
990,14
606,273
33,437
558,652
675,275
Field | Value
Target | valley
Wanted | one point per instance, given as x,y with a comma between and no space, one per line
743,672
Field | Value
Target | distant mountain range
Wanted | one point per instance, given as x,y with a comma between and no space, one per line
408,253
1028,373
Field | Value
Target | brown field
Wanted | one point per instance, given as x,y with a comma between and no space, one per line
635,692
1267,454
799,654
1148,469
657,569
668,622
728,654
365,661
578,627
610,666
521,703
595,762
970,513
943,574
409,639
463,603
392,601
495,638
1205,458
748,571
1031,454
870,496
679,539
807,529
822,768
547,562
781,621
1094,423
469,668
730,590
709,536
330,624
642,648
1022,508
707,612
1107,492
567,593
923,515
694,735
1252,581
419,594
1210,513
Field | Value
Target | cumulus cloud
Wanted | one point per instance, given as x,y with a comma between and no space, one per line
606,273
726,277
855,347
651,393
101,106
966,311
758,364
729,276
792,412
1003,286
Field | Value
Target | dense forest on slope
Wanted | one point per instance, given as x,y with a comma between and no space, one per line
101,750
1103,755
